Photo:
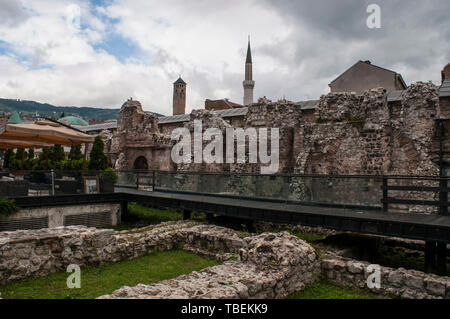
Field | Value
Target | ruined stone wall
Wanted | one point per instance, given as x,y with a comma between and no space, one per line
367,136
345,134
270,266
263,266
408,284
167,128
35,253
138,135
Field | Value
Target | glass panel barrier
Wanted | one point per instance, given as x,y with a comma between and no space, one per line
346,191
402,194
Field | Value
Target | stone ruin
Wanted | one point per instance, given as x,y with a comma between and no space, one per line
345,134
137,136
269,265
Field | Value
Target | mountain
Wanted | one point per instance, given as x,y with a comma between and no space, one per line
30,108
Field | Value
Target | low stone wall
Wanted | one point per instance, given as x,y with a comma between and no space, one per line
271,266
35,253
408,284
265,266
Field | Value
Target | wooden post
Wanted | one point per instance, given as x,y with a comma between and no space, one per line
84,158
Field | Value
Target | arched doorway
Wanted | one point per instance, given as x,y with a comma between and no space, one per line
140,163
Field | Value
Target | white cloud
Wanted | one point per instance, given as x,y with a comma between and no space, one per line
49,60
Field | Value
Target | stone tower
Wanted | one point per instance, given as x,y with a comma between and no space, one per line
179,97
248,83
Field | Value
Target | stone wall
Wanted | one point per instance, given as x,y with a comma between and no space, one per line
270,266
138,135
346,134
264,266
408,284
267,266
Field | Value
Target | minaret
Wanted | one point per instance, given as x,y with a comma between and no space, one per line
248,83
179,97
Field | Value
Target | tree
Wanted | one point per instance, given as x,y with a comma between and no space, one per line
56,154
30,154
98,159
20,154
9,157
75,153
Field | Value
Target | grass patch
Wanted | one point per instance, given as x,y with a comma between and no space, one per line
326,289
153,215
104,279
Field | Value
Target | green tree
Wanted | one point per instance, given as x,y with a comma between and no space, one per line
98,159
30,154
42,159
20,153
9,157
75,153
56,154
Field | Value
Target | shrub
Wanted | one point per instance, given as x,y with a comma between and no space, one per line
98,159
7,207
9,157
75,153
56,154
108,175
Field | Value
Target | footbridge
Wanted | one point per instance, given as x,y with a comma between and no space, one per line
398,206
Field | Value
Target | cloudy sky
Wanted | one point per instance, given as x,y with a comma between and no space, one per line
98,53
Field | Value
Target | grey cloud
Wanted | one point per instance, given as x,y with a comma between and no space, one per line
329,36
11,13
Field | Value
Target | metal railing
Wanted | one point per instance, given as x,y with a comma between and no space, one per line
415,192
426,194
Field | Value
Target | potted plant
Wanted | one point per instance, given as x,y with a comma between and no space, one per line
107,179
7,207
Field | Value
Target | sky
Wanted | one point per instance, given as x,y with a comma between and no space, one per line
99,53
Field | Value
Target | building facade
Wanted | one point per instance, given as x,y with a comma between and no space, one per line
363,75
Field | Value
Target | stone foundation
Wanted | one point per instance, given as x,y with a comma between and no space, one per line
264,266
408,284
270,266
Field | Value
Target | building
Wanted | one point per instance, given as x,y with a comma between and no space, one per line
179,97
73,120
223,104
445,73
15,118
363,75
248,83
444,93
